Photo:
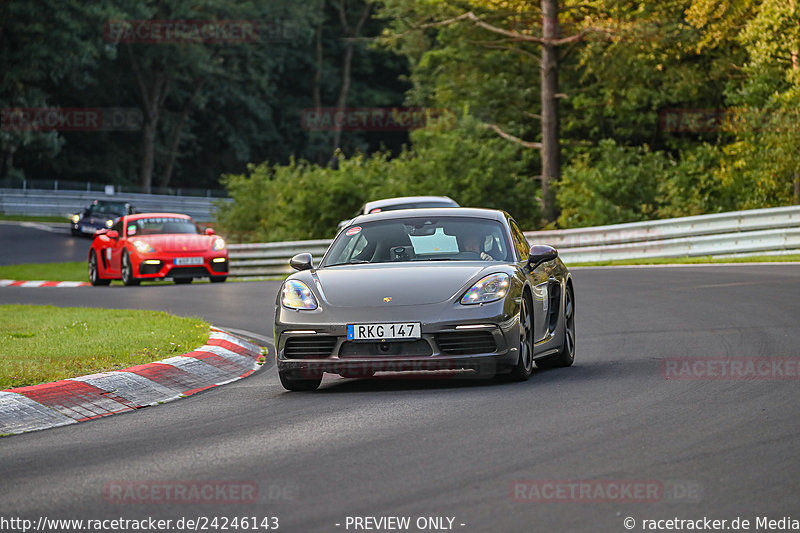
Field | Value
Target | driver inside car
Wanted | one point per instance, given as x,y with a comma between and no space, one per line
474,243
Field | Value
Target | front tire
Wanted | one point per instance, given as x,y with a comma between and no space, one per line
127,271
218,279
290,382
522,370
94,272
566,356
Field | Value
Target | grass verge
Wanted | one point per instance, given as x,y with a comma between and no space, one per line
73,271
46,343
24,218
694,260
78,271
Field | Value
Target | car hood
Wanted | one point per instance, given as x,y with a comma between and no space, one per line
406,284
177,242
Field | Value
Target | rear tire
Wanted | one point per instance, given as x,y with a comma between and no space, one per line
218,279
292,383
127,271
94,272
566,356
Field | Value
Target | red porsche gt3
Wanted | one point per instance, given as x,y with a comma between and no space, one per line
154,246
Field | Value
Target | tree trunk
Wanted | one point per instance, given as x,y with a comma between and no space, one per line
317,82
344,89
175,142
153,97
551,150
148,154
347,62
7,161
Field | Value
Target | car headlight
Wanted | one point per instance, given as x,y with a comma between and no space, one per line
219,244
143,247
76,219
109,223
297,295
487,289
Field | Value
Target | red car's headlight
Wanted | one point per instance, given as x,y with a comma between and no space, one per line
143,247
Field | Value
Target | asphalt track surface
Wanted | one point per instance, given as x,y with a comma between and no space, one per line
721,449
40,243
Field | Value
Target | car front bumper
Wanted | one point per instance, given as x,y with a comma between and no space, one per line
157,266
479,338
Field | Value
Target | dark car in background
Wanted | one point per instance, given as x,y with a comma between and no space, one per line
402,202
100,214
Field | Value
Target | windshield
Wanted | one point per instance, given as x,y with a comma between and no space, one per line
420,239
161,225
106,208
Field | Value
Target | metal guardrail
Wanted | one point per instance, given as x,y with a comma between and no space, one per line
272,258
38,202
757,231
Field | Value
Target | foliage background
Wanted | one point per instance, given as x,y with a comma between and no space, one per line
242,104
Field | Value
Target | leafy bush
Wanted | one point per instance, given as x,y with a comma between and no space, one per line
610,184
302,200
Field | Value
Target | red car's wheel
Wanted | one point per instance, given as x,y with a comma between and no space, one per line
94,272
127,270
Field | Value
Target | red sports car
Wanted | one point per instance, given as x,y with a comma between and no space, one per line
153,246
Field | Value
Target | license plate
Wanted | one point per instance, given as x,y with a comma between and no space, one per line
188,260
376,332
88,229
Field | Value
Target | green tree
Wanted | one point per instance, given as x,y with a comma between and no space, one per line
303,200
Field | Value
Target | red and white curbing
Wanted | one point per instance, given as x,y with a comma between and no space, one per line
40,283
224,359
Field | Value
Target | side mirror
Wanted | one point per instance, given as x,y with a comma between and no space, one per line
301,262
112,234
541,253
210,231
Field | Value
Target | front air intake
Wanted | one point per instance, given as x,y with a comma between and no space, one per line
466,342
309,347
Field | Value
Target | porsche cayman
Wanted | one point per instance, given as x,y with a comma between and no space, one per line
154,246
425,290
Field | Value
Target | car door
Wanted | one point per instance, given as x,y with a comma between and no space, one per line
115,248
538,279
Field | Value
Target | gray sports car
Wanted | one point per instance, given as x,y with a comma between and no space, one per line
421,290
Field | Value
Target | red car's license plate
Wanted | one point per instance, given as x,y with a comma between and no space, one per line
188,260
